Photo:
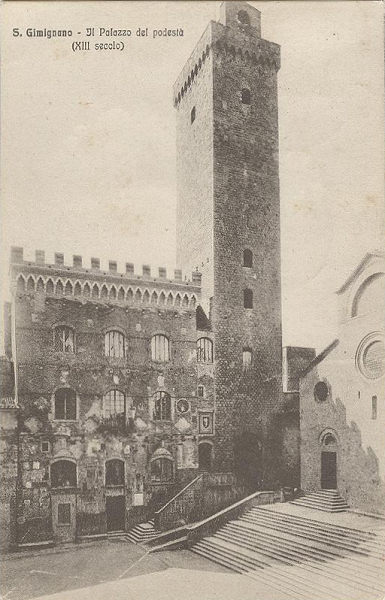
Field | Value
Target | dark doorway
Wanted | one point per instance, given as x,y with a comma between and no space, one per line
248,460
328,470
205,456
115,511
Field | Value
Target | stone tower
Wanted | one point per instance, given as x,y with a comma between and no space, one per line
228,225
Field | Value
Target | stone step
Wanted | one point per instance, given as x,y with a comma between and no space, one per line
238,565
319,526
281,513
308,560
295,574
141,533
220,558
309,547
319,504
325,500
267,573
333,539
300,557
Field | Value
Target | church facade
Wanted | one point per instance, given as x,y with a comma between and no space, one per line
342,397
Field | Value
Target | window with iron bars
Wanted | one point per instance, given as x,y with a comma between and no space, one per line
114,344
162,407
204,350
160,348
64,337
162,470
114,403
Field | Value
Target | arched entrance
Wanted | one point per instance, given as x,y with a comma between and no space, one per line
328,461
248,460
205,456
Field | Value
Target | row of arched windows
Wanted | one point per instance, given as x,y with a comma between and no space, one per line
114,404
63,472
115,345
96,292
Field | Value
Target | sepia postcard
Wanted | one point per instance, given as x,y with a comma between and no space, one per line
192,305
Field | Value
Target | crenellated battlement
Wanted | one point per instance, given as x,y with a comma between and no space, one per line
97,285
243,43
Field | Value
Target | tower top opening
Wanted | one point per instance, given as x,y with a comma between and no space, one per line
240,15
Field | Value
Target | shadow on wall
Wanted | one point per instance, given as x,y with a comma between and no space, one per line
358,469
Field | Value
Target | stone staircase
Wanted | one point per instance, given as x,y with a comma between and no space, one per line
142,533
326,500
300,557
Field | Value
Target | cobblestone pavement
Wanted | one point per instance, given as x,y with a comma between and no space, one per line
25,576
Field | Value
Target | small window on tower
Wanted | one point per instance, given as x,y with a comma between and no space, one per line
374,407
243,17
246,96
248,298
247,258
247,359
193,114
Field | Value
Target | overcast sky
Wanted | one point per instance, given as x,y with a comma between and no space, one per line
88,144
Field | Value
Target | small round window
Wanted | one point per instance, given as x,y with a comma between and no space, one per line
321,391
371,357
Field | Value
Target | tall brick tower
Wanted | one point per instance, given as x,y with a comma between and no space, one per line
228,225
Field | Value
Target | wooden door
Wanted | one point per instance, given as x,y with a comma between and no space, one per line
328,470
115,512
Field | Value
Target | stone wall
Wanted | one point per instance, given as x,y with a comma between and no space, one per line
228,183
91,439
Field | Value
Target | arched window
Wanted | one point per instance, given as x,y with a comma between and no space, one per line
246,96
247,359
63,474
65,404
114,472
162,470
193,114
248,298
247,258
64,339
160,348
204,350
30,284
114,403
329,440
162,407
243,17
114,344
21,284
49,287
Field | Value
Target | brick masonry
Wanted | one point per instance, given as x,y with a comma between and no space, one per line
228,167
